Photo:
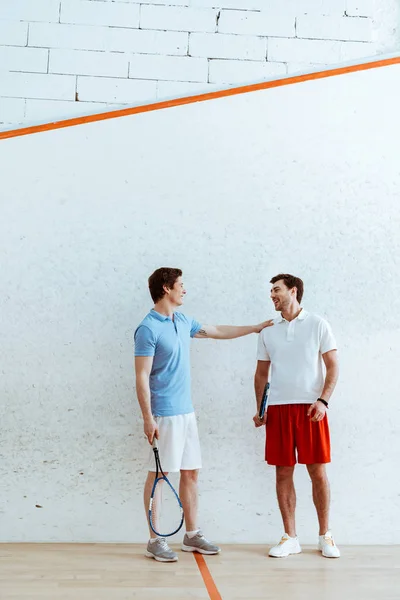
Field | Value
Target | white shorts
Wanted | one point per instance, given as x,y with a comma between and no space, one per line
178,444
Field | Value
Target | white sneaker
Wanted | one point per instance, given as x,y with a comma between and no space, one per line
327,546
287,545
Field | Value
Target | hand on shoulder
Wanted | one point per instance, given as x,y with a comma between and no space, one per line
263,325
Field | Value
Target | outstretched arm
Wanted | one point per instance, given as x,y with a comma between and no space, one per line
230,332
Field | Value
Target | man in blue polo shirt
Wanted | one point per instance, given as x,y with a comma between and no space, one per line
162,364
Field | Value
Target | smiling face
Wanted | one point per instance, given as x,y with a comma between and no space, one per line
177,293
282,296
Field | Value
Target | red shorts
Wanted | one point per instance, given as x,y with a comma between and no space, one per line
290,430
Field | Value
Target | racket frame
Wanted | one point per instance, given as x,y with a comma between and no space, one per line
157,479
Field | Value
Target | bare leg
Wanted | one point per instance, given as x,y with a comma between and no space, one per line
286,498
321,494
188,493
156,508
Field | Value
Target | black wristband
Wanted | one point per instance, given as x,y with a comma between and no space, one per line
323,402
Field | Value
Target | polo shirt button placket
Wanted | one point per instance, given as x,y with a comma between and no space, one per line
175,326
290,331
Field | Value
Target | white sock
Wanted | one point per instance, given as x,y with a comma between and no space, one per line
152,540
191,534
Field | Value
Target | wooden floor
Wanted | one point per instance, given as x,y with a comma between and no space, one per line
121,572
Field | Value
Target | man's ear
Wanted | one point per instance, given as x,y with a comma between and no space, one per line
166,289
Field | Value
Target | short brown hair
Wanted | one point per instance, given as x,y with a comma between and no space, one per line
291,281
163,276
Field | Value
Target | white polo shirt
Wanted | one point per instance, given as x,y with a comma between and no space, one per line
295,349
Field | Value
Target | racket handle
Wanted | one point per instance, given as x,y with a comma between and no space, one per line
155,442
264,401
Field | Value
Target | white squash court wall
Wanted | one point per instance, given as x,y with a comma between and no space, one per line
303,179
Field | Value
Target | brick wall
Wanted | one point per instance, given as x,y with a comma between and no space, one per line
60,58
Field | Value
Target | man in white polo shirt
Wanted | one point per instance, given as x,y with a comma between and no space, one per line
292,355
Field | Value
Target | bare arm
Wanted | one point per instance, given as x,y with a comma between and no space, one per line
318,409
260,381
143,365
230,332
332,373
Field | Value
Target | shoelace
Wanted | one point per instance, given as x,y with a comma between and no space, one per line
283,540
202,538
329,540
163,544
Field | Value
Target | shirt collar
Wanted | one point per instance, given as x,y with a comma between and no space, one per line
301,316
159,316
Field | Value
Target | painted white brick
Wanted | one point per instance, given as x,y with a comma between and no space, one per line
86,62
35,85
334,28
239,4
129,91
178,18
173,68
152,2
171,89
161,2
81,37
308,51
243,71
355,50
148,42
13,34
30,10
312,7
218,45
12,110
111,14
256,23
295,67
361,8
29,60
276,7
48,110
49,35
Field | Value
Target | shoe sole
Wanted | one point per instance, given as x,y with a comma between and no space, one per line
284,555
199,550
159,559
325,556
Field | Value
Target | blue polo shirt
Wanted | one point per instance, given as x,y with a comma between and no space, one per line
168,340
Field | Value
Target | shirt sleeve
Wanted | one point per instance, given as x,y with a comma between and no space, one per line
145,341
327,340
262,352
195,328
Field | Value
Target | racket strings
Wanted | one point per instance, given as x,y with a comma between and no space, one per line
166,511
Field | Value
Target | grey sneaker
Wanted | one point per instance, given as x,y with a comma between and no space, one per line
199,543
161,551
